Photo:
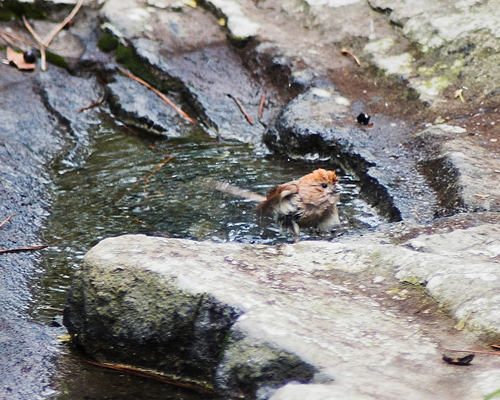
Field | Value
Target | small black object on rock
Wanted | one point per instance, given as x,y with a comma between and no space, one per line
363,119
465,360
29,56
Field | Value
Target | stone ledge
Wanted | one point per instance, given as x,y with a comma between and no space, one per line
247,319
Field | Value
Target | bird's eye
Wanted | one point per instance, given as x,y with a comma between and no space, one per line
324,185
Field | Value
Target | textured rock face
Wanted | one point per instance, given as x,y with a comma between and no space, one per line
148,313
248,319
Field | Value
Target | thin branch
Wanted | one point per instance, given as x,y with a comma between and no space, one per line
148,176
19,249
17,37
490,353
29,248
32,31
92,105
160,94
8,40
240,105
350,53
41,46
149,374
58,28
261,105
157,168
7,220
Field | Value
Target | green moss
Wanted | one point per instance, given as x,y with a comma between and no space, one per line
14,10
108,42
462,323
124,55
129,60
412,280
56,59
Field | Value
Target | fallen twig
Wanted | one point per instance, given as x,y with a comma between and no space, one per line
17,37
148,176
7,220
490,353
150,374
156,169
350,53
94,104
29,248
41,46
240,105
8,40
160,94
58,28
261,105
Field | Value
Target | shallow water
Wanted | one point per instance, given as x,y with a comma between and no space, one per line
125,183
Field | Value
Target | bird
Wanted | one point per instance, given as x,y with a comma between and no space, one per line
309,202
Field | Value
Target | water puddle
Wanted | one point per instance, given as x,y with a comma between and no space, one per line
130,184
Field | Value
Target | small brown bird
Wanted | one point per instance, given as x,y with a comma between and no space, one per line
309,202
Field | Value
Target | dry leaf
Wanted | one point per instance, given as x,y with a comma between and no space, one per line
18,60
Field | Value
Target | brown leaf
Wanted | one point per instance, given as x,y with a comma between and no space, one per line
18,60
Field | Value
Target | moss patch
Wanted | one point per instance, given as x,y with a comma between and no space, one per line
127,57
56,59
108,42
14,10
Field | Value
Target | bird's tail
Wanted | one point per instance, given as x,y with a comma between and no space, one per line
237,192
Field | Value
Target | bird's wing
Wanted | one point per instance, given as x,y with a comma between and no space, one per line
277,200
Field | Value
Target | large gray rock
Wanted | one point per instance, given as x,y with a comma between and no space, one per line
247,319
38,114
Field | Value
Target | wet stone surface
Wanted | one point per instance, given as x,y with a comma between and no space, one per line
24,346
138,106
427,282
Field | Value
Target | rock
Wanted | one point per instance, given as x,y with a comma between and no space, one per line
468,260
196,56
136,105
240,27
459,41
27,146
247,319
462,173
64,96
295,391
67,97
212,92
